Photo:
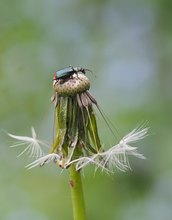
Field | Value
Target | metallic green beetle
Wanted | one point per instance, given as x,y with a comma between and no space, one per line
69,71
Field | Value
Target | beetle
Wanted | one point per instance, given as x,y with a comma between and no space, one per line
69,71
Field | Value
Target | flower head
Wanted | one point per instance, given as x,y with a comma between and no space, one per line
76,138
76,127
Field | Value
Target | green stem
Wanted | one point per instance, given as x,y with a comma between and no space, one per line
77,194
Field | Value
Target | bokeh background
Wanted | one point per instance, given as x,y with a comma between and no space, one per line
128,46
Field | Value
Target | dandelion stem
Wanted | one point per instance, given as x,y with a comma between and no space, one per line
78,204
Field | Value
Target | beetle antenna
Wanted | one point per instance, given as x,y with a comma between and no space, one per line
89,70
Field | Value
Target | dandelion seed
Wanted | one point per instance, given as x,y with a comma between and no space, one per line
117,156
44,160
32,144
135,135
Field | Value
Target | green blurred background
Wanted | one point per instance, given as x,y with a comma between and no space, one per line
128,45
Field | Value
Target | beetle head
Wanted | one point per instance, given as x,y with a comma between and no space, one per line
54,77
